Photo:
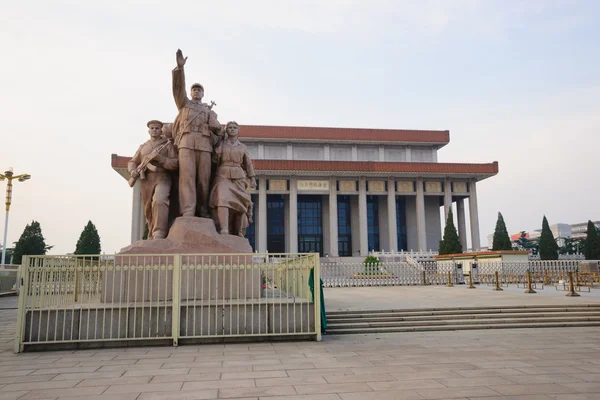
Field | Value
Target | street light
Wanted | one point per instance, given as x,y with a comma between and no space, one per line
9,175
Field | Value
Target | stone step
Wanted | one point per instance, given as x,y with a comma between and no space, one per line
456,311
531,319
395,310
462,316
463,327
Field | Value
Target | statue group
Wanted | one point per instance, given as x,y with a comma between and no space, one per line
192,168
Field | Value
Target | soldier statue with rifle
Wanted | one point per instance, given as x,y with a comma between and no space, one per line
151,164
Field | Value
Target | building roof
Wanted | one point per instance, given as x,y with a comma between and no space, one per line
322,134
355,168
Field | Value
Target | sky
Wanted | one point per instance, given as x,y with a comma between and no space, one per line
513,81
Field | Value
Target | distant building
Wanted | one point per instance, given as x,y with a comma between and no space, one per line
560,231
347,191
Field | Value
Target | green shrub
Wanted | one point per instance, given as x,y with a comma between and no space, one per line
371,265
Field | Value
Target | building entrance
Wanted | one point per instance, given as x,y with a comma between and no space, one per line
310,224
276,223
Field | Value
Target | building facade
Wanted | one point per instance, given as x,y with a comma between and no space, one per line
343,192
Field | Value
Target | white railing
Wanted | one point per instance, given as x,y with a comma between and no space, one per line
434,273
126,298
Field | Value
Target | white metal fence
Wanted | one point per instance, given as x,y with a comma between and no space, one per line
435,273
83,299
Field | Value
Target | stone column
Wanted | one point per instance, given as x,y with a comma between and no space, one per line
474,216
362,217
447,199
421,228
138,220
462,225
293,215
262,216
333,218
391,210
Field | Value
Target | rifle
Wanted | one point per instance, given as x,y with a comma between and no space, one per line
145,164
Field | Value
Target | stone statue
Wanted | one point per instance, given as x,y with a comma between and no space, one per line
151,164
193,132
229,194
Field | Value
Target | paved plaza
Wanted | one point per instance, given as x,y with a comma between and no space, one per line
535,364
406,297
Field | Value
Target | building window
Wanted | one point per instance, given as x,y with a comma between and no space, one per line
401,222
251,229
344,226
373,222
310,224
275,223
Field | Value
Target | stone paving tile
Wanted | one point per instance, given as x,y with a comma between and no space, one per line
23,379
147,387
135,380
384,395
524,397
586,387
476,373
450,366
218,384
208,370
264,391
186,378
333,388
280,367
70,392
12,395
405,376
254,374
548,378
411,384
88,375
561,369
359,378
196,395
40,385
300,380
330,396
383,370
319,372
479,381
155,372
578,396
587,377
452,393
527,389
121,396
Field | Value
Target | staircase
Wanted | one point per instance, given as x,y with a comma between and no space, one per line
462,318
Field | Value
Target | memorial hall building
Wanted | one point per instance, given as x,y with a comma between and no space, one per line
343,192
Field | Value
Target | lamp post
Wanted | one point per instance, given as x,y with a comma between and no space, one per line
9,175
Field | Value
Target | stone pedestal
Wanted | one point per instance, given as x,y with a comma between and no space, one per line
213,266
191,235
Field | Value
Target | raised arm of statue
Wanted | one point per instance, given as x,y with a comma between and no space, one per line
179,82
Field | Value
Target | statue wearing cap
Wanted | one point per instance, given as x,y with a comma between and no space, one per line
151,164
192,133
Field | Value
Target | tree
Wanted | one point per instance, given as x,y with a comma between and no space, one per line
592,242
572,246
450,244
89,241
30,243
501,238
548,246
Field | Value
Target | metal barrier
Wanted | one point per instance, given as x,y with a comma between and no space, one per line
8,277
340,274
125,298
